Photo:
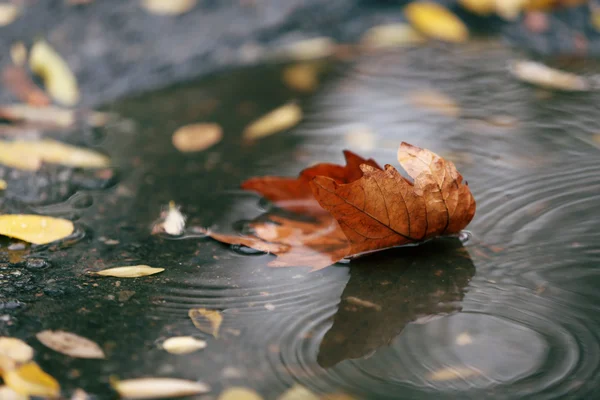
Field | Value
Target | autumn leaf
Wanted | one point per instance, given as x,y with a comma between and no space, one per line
30,380
383,209
208,321
15,349
70,344
168,7
134,271
183,344
58,78
294,194
435,21
157,388
17,80
277,120
37,229
197,137
239,393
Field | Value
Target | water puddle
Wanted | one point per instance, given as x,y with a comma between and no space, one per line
506,310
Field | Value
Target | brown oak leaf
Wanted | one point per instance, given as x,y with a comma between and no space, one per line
383,209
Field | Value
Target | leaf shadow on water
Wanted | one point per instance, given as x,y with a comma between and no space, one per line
387,291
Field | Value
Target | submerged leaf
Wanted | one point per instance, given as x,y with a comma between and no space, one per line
239,393
60,82
208,321
280,119
183,344
157,388
30,380
37,229
70,344
134,271
29,155
15,349
168,7
197,137
435,21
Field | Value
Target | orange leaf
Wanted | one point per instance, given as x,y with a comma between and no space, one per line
20,84
294,194
383,209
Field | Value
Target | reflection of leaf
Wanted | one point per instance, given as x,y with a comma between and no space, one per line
383,209
278,120
134,271
70,344
37,229
378,302
208,321
158,388
435,21
30,380
60,82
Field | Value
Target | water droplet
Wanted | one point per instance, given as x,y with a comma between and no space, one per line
465,236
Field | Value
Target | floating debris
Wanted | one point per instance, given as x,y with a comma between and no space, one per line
207,321
58,79
30,154
30,380
70,344
168,7
280,119
15,349
157,388
183,344
134,271
172,221
36,229
197,137
435,21
391,35
8,13
451,373
239,393
541,75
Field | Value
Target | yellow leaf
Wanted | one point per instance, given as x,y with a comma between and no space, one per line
434,100
280,119
544,76
15,349
183,344
298,392
208,321
8,13
435,21
310,49
29,154
197,137
134,271
301,77
168,7
451,373
37,229
70,344
157,388
510,9
391,35
3,184
239,393
479,7
7,393
50,115
30,380
60,82
18,54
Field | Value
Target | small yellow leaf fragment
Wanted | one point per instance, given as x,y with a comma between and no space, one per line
479,7
298,392
134,271
544,76
436,101
197,137
29,155
435,21
18,54
239,393
168,7
60,82
183,344
301,77
451,373
30,380
464,339
391,35
8,13
158,388
7,393
37,229
3,184
280,119
208,321
15,349
70,344
310,49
